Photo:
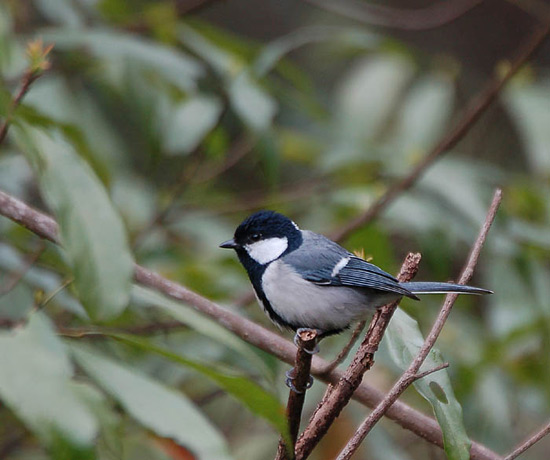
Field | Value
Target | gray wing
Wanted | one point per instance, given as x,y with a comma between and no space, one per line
324,262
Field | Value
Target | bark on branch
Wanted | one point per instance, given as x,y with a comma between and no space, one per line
409,418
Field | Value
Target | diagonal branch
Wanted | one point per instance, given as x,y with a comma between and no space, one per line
27,80
338,396
411,374
409,418
435,15
475,108
545,431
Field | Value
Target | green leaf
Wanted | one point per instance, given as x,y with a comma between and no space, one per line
91,231
366,101
35,277
259,401
176,66
35,382
190,123
273,52
201,324
251,102
157,407
528,106
255,107
226,64
405,340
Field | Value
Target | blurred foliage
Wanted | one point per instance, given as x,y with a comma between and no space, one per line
153,133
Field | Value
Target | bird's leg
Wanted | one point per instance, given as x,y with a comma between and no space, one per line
298,378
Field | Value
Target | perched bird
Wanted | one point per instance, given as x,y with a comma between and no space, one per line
304,280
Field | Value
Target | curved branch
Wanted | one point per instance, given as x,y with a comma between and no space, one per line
436,15
411,374
409,418
475,108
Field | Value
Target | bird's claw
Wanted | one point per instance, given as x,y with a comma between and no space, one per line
290,375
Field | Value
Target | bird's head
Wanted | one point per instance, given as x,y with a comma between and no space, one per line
264,237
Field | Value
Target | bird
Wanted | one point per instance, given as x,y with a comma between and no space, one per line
304,280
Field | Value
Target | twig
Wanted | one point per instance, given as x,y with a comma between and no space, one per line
307,341
410,375
409,418
140,329
538,9
544,431
239,149
193,175
29,77
345,351
341,393
431,17
475,108
421,375
18,276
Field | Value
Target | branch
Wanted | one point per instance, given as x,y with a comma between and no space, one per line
475,108
14,280
29,77
307,341
338,396
162,327
411,374
409,418
347,348
37,55
431,17
529,442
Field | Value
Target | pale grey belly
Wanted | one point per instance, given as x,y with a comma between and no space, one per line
304,304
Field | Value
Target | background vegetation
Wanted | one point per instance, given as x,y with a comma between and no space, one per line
152,128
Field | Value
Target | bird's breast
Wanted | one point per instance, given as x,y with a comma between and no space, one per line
302,303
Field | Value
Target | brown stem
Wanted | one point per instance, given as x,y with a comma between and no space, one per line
431,17
300,376
544,431
17,277
410,375
363,360
409,418
347,348
29,77
475,108
140,329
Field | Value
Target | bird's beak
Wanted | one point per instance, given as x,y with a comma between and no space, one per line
229,244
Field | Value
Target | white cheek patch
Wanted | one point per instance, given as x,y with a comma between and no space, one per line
267,250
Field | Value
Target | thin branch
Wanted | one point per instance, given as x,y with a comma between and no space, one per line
347,348
473,111
544,431
307,341
193,175
435,15
410,375
19,275
421,375
29,77
409,418
342,392
140,329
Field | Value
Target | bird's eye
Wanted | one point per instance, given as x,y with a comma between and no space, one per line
255,236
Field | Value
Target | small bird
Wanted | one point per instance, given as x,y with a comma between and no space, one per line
305,280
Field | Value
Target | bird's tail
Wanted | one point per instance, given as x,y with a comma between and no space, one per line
429,287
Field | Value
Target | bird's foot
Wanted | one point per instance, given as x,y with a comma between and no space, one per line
297,340
290,375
